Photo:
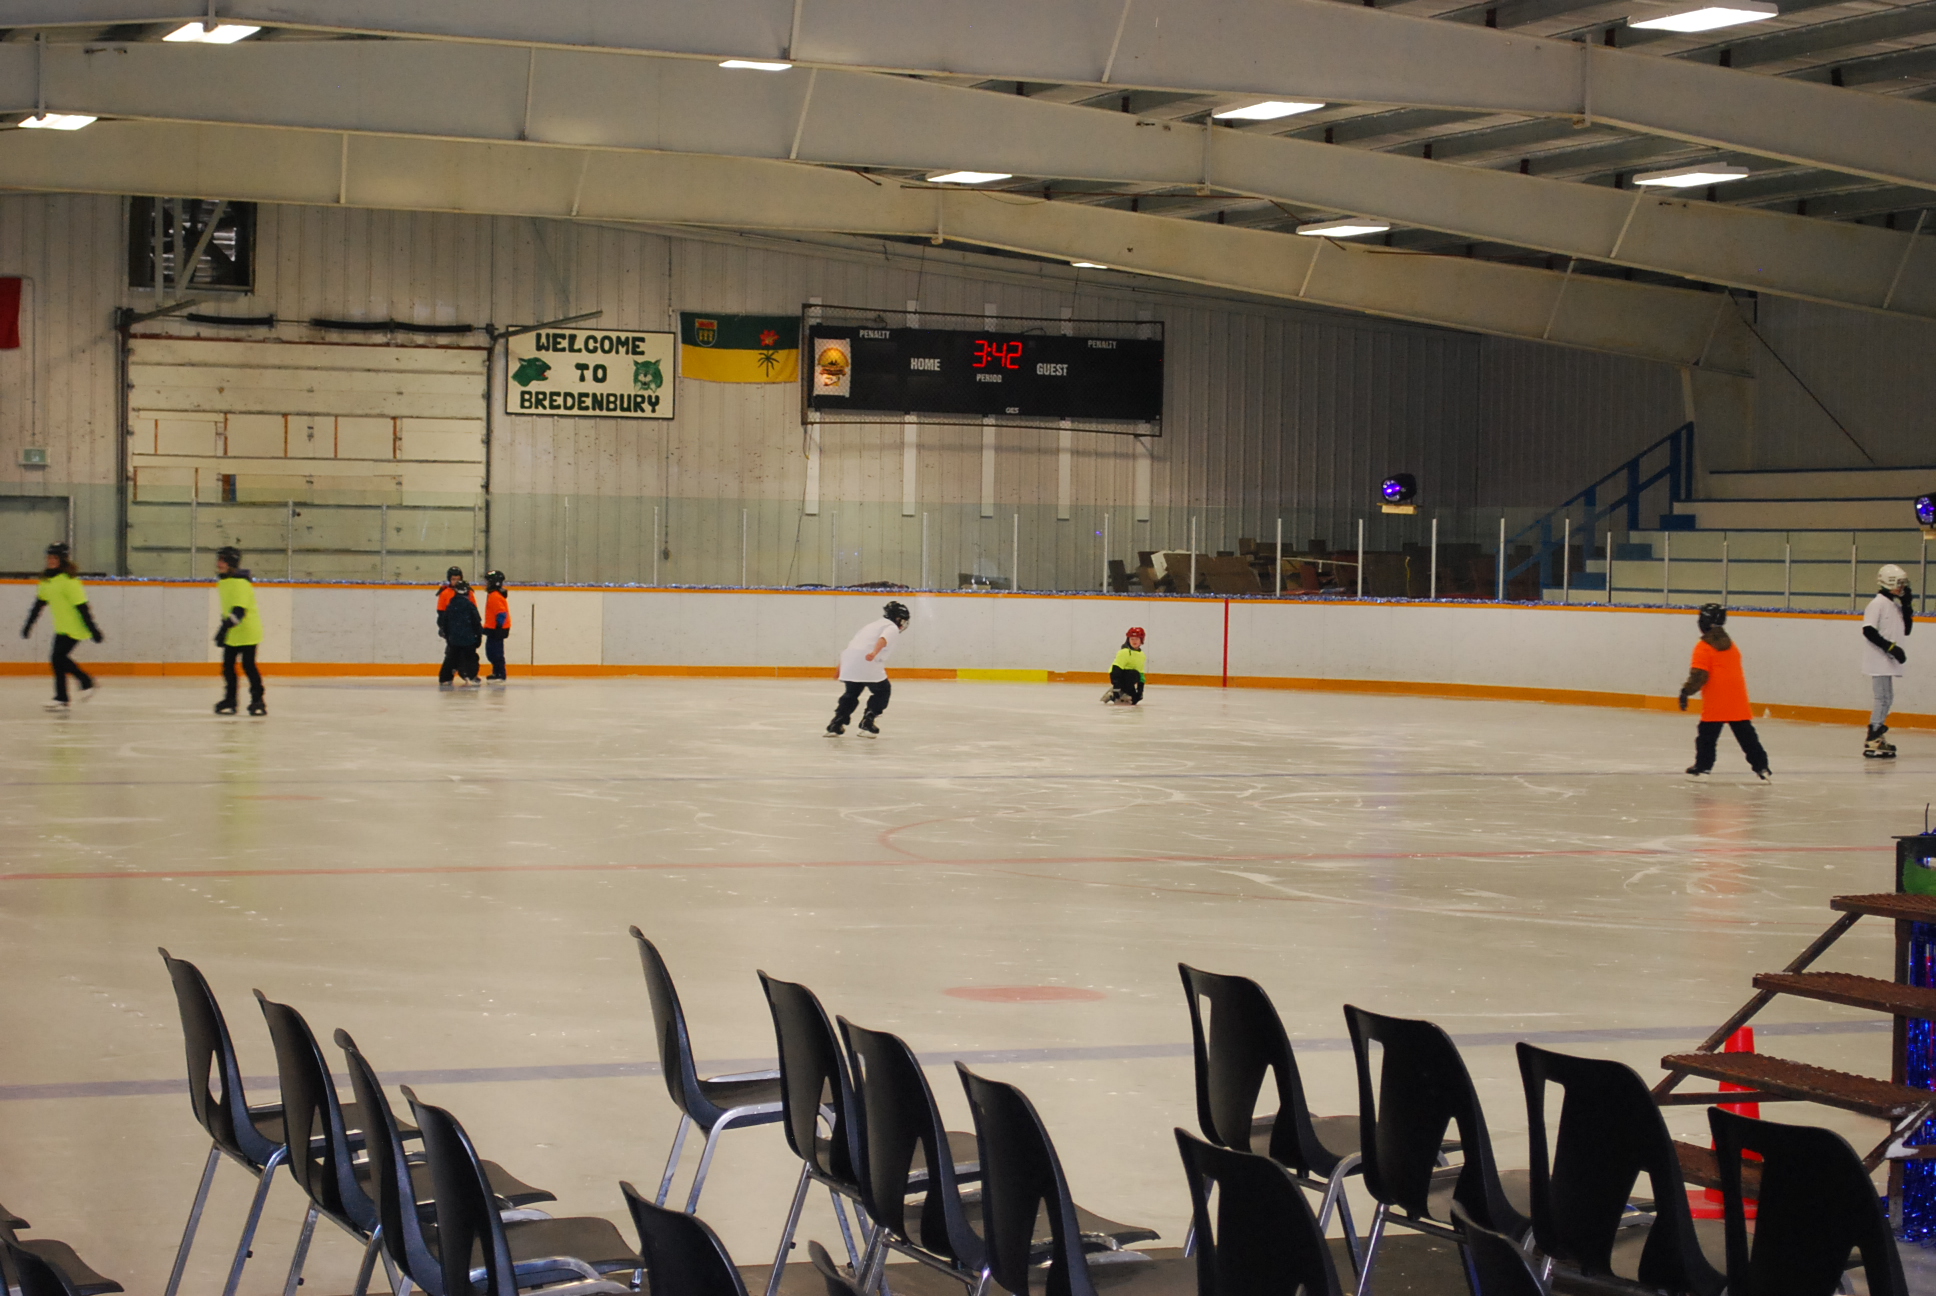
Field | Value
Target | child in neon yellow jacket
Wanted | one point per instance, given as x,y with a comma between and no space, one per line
1129,672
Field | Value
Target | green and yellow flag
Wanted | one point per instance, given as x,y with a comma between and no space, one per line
739,348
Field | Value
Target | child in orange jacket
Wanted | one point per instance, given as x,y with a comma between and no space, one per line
1716,675
497,624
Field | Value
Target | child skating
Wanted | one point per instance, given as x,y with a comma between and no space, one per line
240,632
1888,620
863,665
61,590
1716,675
1129,672
497,624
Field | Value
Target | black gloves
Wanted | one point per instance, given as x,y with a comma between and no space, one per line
222,634
1895,650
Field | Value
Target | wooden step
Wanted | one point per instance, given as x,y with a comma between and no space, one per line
1853,991
1888,904
1799,1080
1702,1168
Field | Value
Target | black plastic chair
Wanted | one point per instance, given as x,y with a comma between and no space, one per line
25,1272
683,1256
1263,1239
1610,1133
903,1131
251,1137
1422,1089
71,1272
473,1245
1021,1179
815,1086
1494,1264
1244,1042
1816,1205
328,1171
715,1104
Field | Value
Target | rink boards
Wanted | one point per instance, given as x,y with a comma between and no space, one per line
1799,665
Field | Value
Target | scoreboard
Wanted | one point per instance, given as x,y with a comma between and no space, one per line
983,373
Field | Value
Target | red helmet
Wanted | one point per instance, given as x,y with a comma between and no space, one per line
1135,632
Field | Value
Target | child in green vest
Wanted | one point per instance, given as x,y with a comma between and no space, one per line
240,631
61,590
1129,672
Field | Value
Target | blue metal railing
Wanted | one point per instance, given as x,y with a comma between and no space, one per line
1633,480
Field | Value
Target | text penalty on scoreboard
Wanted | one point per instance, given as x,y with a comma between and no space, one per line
590,373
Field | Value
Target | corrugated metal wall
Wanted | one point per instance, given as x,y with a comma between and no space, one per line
1552,420
1271,412
1873,373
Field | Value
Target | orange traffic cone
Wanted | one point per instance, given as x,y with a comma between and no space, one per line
1709,1204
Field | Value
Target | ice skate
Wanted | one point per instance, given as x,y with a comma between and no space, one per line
1112,695
1877,747
87,694
258,708
225,707
1696,772
55,705
867,726
836,729
1765,774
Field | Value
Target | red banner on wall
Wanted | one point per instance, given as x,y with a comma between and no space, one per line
9,314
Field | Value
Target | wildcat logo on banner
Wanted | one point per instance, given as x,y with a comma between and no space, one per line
739,348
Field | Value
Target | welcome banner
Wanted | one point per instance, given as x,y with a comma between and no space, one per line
739,348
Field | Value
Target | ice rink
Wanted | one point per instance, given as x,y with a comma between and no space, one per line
1010,875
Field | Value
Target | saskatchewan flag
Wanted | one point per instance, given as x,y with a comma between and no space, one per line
739,348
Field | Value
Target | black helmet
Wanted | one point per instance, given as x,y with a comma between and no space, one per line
57,550
897,613
455,573
1712,614
230,555
494,580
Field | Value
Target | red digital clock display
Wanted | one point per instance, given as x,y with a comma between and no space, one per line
1002,355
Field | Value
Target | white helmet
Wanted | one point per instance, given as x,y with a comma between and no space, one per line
1891,577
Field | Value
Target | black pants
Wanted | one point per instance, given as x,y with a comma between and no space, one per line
877,696
1709,733
245,653
458,661
494,649
64,666
1127,682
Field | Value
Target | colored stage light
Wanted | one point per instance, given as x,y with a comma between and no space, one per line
1398,488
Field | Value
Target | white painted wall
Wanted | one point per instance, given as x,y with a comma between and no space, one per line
1794,659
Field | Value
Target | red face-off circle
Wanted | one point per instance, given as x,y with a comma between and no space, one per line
1024,994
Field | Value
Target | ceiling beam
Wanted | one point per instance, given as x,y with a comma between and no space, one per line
614,102
1674,326
1314,49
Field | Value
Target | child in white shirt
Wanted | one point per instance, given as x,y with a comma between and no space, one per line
863,665
1887,621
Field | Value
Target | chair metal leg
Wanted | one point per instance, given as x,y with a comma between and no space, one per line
194,1220
672,1163
267,1177
846,1234
981,1286
705,1165
1334,1196
1354,1245
298,1260
1371,1248
786,1237
368,1267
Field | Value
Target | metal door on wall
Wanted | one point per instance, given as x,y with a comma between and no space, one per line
320,460
28,524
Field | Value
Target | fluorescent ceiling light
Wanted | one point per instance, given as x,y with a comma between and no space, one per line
1088,265
1269,110
220,34
968,177
755,65
1691,177
1709,17
1343,228
57,121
